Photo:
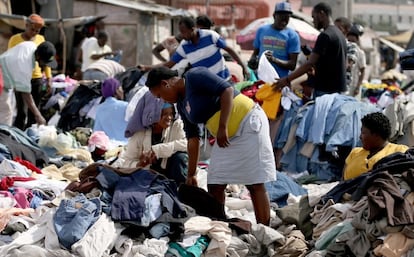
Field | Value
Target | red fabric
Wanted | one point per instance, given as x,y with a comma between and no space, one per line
7,182
28,165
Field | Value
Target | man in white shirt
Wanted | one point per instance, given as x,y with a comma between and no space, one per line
94,49
17,65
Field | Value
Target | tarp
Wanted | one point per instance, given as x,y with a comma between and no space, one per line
307,33
19,21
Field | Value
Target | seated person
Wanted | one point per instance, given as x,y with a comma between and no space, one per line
163,147
375,131
110,115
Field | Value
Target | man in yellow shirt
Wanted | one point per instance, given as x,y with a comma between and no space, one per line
34,24
375,131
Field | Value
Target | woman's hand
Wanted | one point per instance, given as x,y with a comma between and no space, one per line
147,158
222,138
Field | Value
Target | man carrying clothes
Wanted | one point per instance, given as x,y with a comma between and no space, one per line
328,57
17,65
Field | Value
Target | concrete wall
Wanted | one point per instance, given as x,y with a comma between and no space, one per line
128,30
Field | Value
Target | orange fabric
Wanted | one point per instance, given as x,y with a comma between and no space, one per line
271,100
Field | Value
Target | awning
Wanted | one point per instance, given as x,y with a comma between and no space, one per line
401,38
19,21
148,7
390,44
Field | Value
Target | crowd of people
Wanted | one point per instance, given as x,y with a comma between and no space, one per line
191,95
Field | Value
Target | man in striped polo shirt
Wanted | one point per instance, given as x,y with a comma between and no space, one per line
201,47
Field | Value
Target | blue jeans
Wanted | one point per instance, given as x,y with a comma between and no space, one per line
74,217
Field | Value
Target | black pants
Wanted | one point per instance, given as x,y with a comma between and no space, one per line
176,167
24,118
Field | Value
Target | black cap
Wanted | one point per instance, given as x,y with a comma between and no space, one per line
46,51
159,73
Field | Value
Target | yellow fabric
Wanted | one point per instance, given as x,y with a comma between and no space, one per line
271,100
241,106
37,71
357,162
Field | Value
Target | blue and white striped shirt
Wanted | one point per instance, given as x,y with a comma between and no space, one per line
206,53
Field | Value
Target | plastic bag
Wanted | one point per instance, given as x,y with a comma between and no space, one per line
266,71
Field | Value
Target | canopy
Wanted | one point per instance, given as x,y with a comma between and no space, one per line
307,33
19,21
402,38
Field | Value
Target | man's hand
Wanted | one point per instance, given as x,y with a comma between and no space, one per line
281,83
191,180
40,120
253,63
270,57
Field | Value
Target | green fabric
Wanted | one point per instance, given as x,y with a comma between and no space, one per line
193,251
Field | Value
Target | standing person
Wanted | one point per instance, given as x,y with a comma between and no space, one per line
281,42
328,57
359,69
282,45
355,57
17,66
110,115
34,24
201,47
238,124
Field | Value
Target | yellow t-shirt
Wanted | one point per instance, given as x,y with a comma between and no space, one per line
37,71
241,106
357,162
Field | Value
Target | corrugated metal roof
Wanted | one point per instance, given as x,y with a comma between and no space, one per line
148,7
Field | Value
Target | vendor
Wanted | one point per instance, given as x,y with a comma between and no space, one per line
375,131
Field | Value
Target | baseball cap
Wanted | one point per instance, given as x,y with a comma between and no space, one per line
159,73
36,19
283,7
46,51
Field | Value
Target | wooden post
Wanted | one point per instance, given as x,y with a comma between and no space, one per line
63,35
33,6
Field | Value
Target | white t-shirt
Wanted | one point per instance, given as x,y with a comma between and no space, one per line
89,48
17,65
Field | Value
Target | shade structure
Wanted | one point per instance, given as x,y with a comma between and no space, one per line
307,33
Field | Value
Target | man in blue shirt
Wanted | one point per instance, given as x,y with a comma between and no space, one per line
281,42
